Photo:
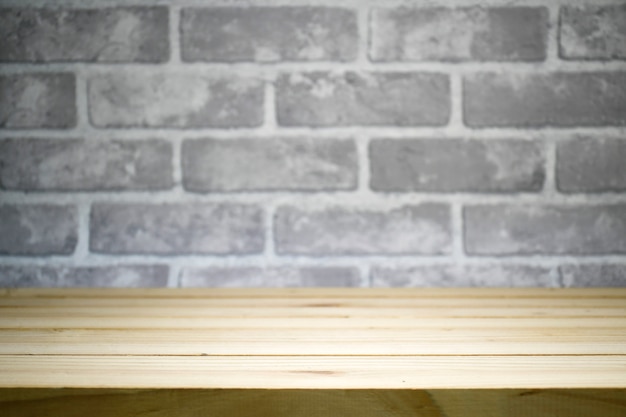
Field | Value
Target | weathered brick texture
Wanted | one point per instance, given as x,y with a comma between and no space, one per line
271,277
463,34
591,165
84,276
537,99
173,99
78,165
448,165
451,275
553,229
38,100
601,275
363,98
593,32
176,229
131,34
37,229
268,34
279,144
423,229
267,165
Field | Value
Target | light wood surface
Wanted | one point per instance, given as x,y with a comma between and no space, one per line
313,338
314,372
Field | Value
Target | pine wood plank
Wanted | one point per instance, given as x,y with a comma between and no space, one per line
295,342
313,372
417,312
304,322
322,338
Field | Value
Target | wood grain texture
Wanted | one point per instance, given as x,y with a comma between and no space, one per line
313,372
313,338
316,341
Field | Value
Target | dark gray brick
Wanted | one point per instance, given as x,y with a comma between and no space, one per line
449,165
175,229
537,100
37,100
175,100
422,229
106,35
125,276
269,164
363,98
463,276
593,32
591,165
592,275
558,230
78,165
267,34
37,229
271,277
463,34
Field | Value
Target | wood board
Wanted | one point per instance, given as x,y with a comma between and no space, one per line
313,338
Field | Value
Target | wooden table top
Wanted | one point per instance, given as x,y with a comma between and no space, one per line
313,338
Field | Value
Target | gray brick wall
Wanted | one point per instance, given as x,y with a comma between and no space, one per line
328,143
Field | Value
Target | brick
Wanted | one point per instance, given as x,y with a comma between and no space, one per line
422,229
37,229
594,275
449,165
126,276
174,100
554,229
78,165
457,275
591,165
38,100
268,165
271,277
593,32
268,34
463,34
363,98
176,229
538,100
122,34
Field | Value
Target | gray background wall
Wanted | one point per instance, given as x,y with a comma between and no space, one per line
334,143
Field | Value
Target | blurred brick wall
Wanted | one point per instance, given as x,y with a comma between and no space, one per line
312,143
